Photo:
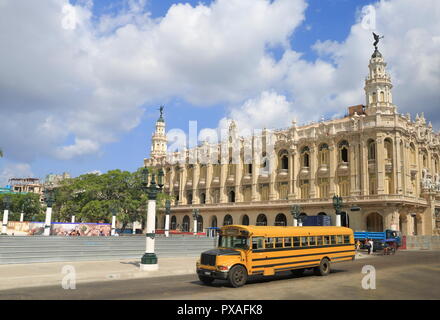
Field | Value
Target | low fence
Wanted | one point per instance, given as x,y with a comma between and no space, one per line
51,249
423,242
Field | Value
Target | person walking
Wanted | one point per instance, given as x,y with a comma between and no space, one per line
371,245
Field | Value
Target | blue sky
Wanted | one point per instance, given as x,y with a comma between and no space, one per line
331,20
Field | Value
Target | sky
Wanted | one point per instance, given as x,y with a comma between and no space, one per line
81,81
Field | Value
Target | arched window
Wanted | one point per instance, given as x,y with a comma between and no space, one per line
343,151
245,220
231,196
374,222
185,224
388,144
227,220
214,222
305,155
413,154
281,220
345,221
199,223
173,223
371,150
284,160
323,157
261,220
202,198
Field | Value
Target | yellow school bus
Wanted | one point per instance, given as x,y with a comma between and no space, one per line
260,250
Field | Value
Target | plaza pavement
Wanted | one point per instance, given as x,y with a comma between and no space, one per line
46,274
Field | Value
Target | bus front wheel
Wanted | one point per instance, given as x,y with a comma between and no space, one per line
237,276
323,269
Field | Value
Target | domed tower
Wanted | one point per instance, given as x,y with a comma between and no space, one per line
159,139
378,85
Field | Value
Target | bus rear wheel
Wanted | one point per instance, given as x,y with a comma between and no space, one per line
206,280
237,276
323,269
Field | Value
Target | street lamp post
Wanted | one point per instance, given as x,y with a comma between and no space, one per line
149,259
337,204
196,214
296,212
73,218
49,202
113,211
22,213
7,203
167,217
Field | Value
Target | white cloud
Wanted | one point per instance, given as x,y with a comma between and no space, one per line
69,76
14,170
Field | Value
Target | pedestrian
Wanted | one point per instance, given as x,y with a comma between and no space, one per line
371,245
358,245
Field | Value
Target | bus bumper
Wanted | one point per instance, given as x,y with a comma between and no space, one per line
212,273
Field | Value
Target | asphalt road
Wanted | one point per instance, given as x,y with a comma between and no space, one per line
407,275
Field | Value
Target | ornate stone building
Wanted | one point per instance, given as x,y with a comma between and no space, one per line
374,158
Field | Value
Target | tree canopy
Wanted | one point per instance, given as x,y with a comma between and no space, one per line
92,197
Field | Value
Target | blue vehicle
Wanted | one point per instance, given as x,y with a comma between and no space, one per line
381,240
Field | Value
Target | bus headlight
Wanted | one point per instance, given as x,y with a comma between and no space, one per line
223,268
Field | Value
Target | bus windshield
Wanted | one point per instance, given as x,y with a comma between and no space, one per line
231,242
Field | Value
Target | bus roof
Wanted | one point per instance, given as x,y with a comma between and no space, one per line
277,231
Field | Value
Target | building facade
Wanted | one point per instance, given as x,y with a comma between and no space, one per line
376,159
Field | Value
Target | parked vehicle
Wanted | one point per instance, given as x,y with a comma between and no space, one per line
381,240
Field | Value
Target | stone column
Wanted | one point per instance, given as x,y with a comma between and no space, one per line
380,164
195,183
397,166
272,175
171,180
223,177
238,176
48,221
291,194
334,161
296,167
313,168
352,158
255,172
182,182
208,183
364,168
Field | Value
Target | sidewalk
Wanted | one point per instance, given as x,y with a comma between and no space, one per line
46,274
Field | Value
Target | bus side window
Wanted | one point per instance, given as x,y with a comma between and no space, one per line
319,240
296,241
333,239
304,242
312,241
326,240
339,239
346,239
287,242
278,242
269,243
257,243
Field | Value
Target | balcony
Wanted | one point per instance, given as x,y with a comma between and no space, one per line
215,180
230,179
202,182
247,178
323,170
283,173
343,168
189,183
304,172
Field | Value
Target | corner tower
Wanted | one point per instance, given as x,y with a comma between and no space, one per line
159,139
378,85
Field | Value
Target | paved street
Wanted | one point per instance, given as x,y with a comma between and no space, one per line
407,275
